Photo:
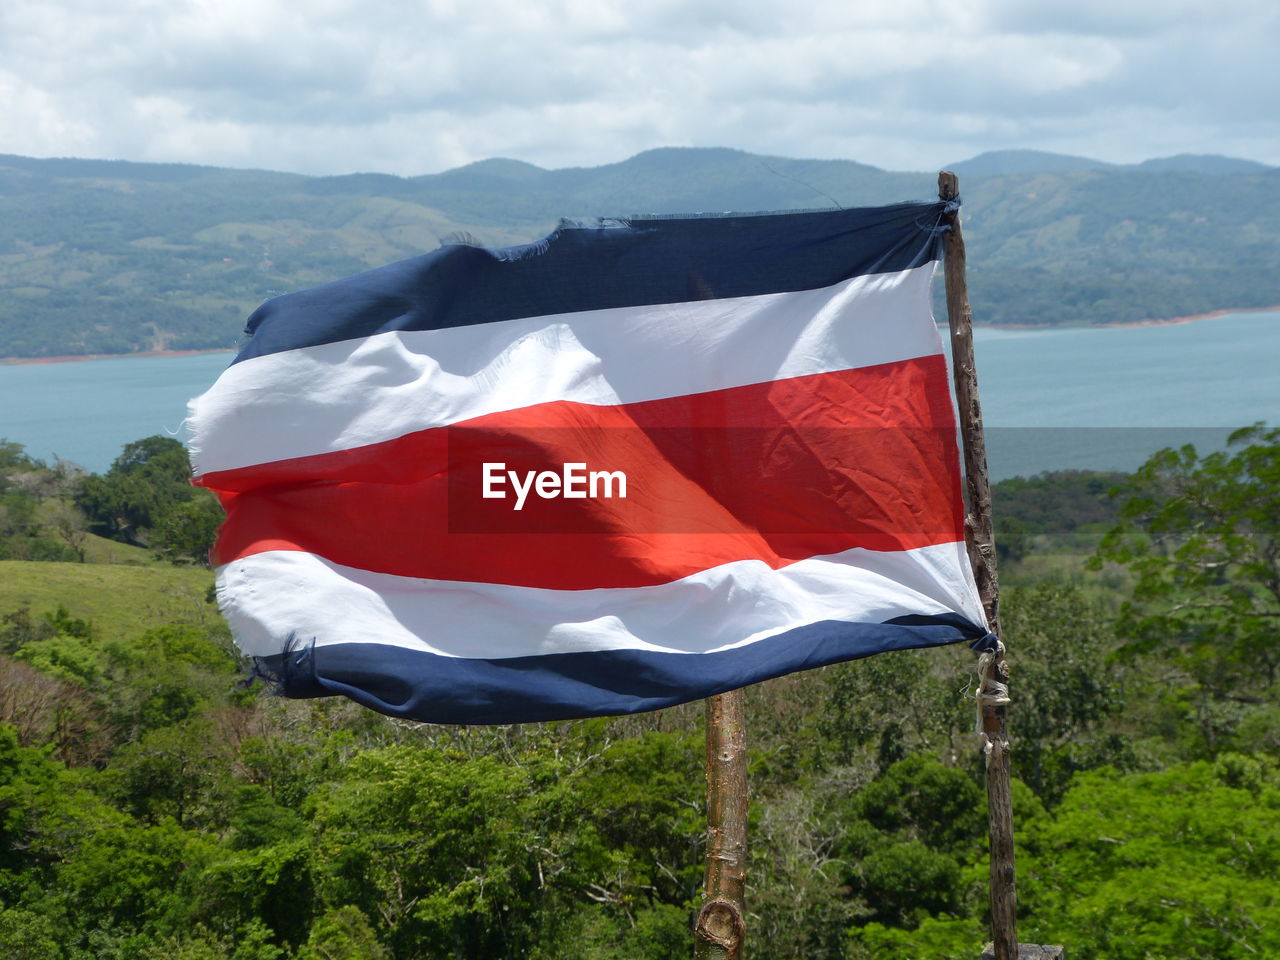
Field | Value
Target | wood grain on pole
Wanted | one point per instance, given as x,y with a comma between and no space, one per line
721,929
980,541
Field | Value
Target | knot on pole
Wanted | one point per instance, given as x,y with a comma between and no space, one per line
720,923
942,221
992,690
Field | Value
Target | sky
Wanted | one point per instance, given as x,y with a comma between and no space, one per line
419,86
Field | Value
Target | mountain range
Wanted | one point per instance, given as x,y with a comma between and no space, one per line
102,256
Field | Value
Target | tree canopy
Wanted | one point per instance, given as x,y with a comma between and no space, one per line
153,807
1201,534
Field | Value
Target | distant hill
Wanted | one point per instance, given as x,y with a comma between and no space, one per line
1203,163
104,256
998,163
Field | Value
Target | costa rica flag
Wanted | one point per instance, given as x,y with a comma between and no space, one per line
636,463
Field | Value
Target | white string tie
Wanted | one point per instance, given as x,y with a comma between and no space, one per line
991,692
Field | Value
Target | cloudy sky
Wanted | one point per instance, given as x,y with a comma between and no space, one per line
418,86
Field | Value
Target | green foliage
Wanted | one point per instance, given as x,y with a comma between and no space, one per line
656,932
900,703
436,845
638,824
269,885
342,934
257,820
251,942
145,500
133,876
147,490
18,628
14,459
25,935
174,773
907,881
447,849
1181,863
46,816
922,799
937,938
160,458
36,521
889,706
287,770
185,532
128,686
1202,536
1057,502
66,657
906,837
800,902
148,809
1068,686
1050,507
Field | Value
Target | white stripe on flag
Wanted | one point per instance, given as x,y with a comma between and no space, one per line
351,393
716,609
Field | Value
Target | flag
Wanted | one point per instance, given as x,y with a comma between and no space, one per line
636,463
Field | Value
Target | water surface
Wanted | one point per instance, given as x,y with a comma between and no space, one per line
1079,397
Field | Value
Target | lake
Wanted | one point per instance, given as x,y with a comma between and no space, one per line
1078,397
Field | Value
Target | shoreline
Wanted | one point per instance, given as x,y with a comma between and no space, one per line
1170,321
77,357
1167,322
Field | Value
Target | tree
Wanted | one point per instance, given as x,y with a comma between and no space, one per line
146,498
67,523
1067,686
149,478
906,836
28,936
1201,536
15,459
895,704
185,532
445,854
343,934
155,454
1180,863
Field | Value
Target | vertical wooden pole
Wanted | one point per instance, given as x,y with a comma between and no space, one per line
720,929
982,557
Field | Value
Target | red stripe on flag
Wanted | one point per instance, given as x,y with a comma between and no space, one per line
775,471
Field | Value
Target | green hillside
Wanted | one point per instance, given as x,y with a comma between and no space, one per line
115,257
124,600
152,808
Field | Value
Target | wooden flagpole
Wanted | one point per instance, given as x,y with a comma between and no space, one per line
993,693
720,929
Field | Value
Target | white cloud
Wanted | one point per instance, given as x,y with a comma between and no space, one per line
413,86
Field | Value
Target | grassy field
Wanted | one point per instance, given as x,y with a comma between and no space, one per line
121,599
102,550
1063,559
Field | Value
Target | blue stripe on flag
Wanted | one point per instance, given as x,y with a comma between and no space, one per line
418,685
615,264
